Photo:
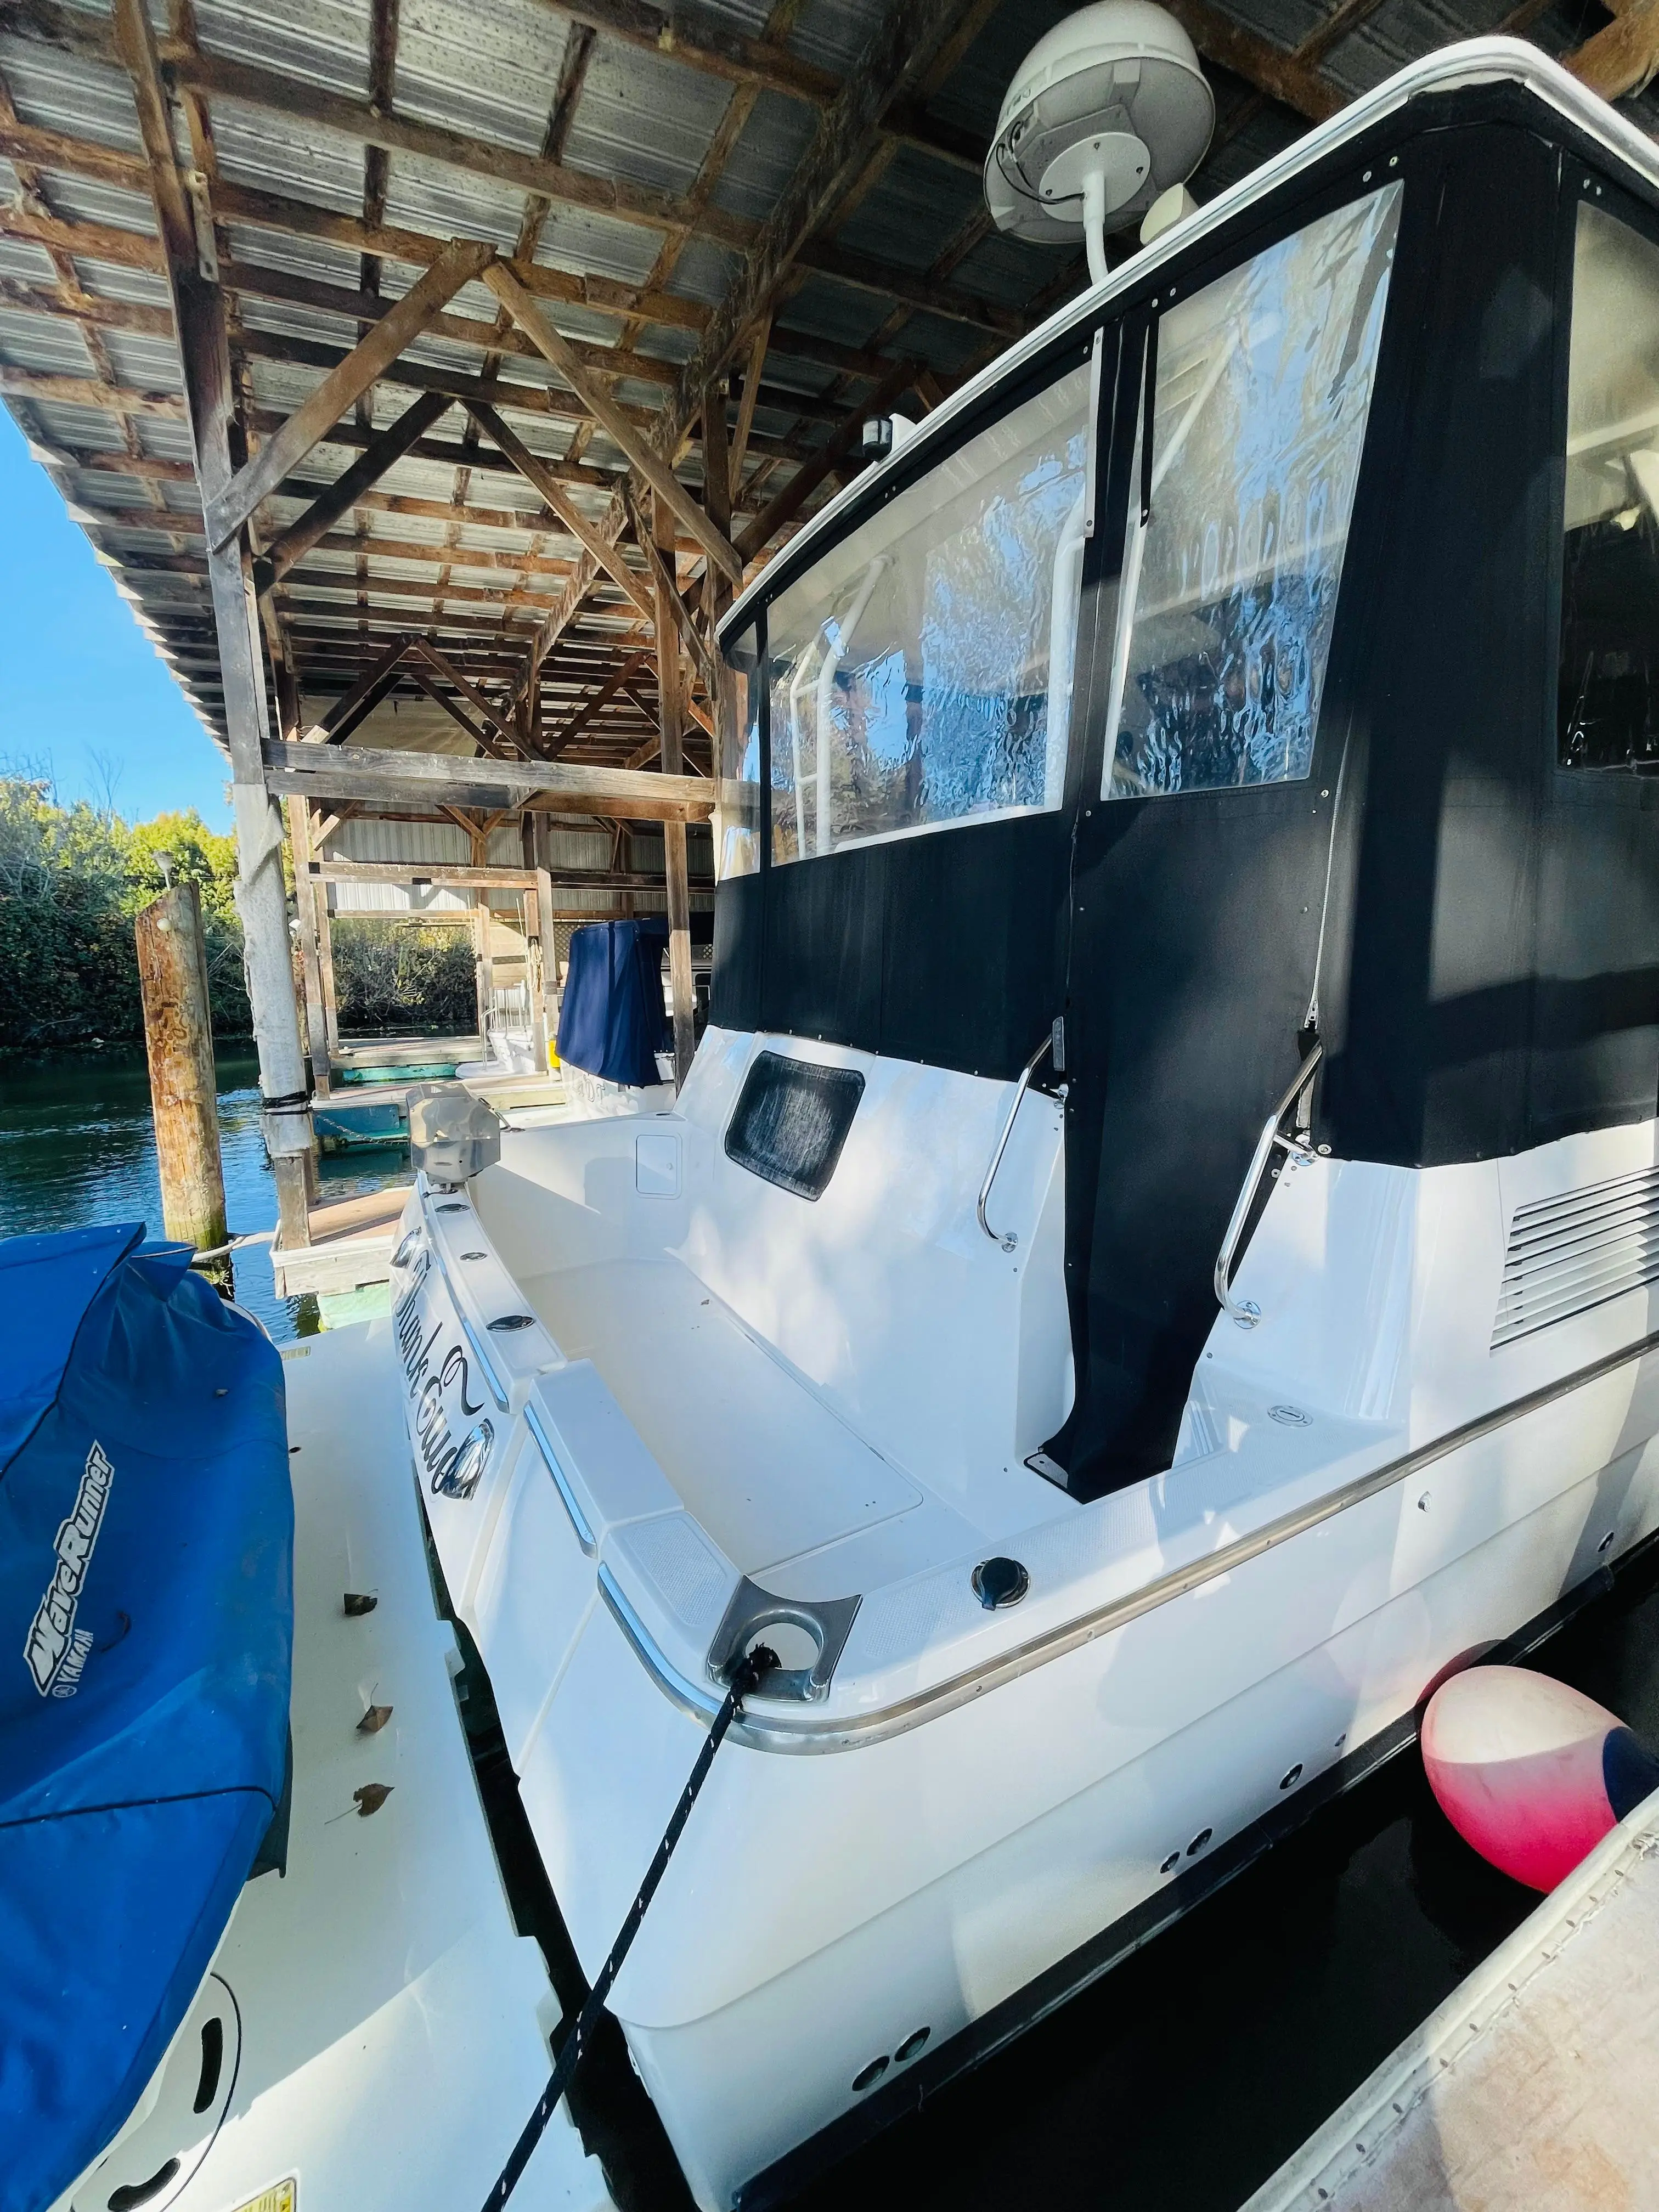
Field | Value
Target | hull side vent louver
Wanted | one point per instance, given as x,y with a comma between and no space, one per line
1577,1250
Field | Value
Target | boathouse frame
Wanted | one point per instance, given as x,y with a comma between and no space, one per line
247,279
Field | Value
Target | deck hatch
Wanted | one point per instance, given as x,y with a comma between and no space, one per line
790,1120
1577,1250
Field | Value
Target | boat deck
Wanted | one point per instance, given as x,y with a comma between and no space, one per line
1531,2088
391,2028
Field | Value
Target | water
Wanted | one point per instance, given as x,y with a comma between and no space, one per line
77,1146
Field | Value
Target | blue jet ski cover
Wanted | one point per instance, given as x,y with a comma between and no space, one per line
146,1644
612,1019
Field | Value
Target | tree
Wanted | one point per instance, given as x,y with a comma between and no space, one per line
71,879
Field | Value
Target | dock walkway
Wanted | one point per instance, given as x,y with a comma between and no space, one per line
352,1239
1532,2088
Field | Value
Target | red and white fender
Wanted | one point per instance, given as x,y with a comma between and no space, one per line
1532,1773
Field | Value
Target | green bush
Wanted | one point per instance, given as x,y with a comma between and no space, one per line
393,974
73,877
71,880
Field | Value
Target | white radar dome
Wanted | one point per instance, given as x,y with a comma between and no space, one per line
1107,114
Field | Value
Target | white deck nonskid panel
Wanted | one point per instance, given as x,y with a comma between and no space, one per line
386,2031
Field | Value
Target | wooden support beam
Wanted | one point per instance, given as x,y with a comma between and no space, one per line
746,407
261,899
89,392
1623,57
369,359
390,446
89,312
441,875
456,714
302,843
519,303
445,667
395,777
669,689
666,600
349,709
806,479
536,473
173,989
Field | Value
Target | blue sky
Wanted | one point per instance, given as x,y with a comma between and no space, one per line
79,681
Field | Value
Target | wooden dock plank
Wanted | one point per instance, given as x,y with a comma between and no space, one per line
1532,2088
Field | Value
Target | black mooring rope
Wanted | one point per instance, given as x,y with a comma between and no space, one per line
748,1672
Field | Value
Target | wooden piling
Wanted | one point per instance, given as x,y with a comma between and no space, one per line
178,1042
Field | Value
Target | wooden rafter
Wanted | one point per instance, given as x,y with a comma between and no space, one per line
359,699
442,666
543,479
740,448
460,261
390,446
1623,58
507,288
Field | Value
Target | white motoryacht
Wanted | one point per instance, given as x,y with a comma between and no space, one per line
1155,1259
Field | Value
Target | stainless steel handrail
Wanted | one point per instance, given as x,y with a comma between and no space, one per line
1011,1239
1242,1310
816,1734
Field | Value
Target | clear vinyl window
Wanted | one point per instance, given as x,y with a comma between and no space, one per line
920,674
1237,529
1607,709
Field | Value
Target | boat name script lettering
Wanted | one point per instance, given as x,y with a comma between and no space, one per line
55,1648
415,1355
437,1450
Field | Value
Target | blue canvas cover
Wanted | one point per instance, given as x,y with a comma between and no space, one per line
611,1020
146,1639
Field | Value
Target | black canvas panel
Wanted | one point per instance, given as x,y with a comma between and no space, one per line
824,948
971,966
1427,1012
1181,1034
790,1120
1596,1002
739,918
